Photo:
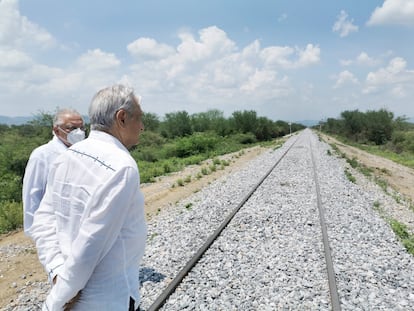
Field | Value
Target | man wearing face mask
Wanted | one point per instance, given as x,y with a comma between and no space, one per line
68,129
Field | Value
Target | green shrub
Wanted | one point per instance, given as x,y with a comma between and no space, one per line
151,139
402,233
399,229
350,177
195,144
247,138
353,162
11,216
225,163
195,159
146,155
10,187
216,161
167,168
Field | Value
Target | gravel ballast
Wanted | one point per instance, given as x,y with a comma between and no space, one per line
270,257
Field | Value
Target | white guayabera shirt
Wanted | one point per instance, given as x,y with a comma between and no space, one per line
90,227
35,177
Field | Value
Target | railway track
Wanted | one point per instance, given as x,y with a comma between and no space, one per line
330,277
272,251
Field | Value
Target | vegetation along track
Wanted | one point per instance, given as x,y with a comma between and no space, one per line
304,237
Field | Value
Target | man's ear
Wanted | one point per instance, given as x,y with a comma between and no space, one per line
55,130
120,117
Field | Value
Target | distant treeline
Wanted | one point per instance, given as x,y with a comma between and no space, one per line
373,127
166,145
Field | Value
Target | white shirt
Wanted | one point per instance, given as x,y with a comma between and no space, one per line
90,226
35,177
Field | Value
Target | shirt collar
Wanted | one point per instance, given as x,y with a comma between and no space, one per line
59,143
103,136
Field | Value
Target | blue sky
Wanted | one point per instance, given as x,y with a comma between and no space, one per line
286,59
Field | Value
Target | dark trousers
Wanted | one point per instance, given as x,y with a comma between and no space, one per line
132,305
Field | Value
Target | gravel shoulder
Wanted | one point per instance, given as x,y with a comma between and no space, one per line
398,202
399,177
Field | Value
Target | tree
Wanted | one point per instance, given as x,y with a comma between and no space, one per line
176,124
42,119
151,121
212,120
379,126
245,121
333,126
264,129
201,122
281,128
353,123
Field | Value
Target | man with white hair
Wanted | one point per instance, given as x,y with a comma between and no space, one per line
68,128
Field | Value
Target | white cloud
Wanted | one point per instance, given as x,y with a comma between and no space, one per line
343,25
11,59
17,31
265,84
282,56
398,91
309,56
345,77
398,12
345,62
213,42
204,70
210,70
364,59
149,48
395,78
97,60
277,56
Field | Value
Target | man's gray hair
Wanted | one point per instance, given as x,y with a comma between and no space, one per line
58,118
107,102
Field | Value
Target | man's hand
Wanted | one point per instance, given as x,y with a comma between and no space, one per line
68,306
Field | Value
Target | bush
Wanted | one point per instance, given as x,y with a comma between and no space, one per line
146,155
149,138
11,216
195,144
10,188
247,138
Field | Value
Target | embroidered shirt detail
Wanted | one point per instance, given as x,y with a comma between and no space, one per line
93,158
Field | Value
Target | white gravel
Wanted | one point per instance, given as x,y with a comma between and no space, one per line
270,257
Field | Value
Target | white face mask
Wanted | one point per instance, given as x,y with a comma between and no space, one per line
75,136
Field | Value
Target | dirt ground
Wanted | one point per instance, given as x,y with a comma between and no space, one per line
22,266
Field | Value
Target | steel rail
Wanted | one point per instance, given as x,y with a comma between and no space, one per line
333,290
162,298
